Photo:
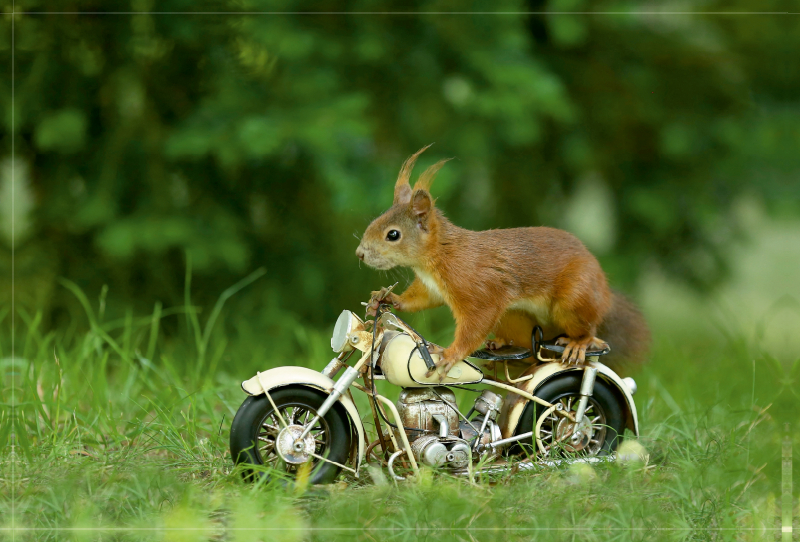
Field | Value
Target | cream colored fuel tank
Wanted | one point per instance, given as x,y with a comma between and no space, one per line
403,365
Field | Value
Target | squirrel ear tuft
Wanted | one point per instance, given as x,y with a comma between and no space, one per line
426,179
402,194
402,188
421,204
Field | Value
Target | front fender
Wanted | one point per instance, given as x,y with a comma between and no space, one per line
301,376
513,407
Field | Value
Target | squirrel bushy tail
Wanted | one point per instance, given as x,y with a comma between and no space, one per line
625,329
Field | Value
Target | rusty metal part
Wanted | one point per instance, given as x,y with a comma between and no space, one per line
370,384
374,444
575,435
332,368
418,406
391,434
458,412
400,433
490,433
489,404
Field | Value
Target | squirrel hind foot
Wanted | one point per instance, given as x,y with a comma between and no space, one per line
575,350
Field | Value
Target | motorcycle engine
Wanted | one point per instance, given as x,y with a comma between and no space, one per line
483,427
432,427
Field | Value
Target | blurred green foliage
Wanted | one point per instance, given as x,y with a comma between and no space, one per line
270,140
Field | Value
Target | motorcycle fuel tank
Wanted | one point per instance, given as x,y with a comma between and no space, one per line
402,364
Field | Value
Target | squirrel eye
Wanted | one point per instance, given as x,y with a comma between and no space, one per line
393,235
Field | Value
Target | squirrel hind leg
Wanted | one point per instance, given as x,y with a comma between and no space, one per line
514,328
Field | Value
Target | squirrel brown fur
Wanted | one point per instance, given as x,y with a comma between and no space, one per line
502,281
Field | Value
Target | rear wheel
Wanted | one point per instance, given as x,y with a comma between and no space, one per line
600,431
262,435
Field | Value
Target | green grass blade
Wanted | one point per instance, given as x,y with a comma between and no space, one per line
154,324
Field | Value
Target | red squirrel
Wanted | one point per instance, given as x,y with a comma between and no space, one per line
498,281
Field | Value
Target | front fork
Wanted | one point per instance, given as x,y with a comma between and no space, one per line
587,388
345,381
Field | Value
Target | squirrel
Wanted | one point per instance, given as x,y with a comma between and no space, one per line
502,281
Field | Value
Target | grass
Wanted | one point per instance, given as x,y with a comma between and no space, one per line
120,433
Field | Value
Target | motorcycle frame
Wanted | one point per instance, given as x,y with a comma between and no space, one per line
507,426
513,406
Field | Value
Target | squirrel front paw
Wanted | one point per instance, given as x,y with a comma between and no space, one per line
379,298
435,349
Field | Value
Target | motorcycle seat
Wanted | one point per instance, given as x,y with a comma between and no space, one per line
537,339
551,346
507,353
502,354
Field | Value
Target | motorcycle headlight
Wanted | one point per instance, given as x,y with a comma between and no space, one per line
345,325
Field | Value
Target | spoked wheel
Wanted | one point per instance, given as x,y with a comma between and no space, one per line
586,437
262,435
598,433
276,443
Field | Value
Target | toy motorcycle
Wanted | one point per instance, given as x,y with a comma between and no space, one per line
297,419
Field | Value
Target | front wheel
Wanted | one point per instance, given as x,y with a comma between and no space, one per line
260,435
598,434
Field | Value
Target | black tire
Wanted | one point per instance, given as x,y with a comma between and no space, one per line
256,411
605,400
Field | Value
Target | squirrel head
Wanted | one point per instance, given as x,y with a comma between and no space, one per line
400,235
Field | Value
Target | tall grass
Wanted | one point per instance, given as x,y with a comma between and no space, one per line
121,429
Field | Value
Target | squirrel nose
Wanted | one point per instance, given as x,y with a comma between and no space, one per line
360,253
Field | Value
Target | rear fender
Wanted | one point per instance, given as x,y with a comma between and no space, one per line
282,377
515,404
